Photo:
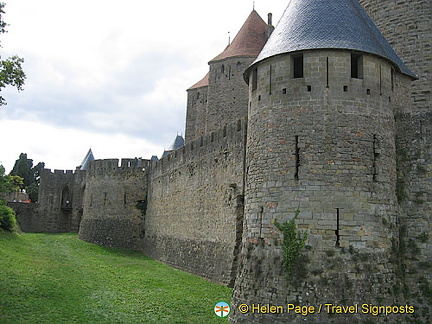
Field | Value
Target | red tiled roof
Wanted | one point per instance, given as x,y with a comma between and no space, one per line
202,83
249,40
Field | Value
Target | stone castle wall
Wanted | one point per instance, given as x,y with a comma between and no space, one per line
26,216
196,113
195,204
414,191
227,92
114,203
56,201
407,27
350,153
323,144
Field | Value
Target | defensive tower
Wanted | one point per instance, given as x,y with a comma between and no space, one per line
221,97
115,201
321,140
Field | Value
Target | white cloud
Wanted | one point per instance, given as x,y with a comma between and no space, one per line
64,148
109,74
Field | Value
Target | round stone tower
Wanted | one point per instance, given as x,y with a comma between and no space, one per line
321,146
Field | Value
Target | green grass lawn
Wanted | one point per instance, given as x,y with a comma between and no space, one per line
56,278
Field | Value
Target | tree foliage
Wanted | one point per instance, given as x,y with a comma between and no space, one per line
7,215
31,175
11,72
7,218
9,183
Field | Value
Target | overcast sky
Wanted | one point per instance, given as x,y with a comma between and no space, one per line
109,75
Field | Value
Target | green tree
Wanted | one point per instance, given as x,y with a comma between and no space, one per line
31,175
7,215
23,168
7,218
9,183
11,72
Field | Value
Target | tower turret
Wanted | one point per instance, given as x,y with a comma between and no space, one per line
321,145
222,95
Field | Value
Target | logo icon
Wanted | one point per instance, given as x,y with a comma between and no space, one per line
222,309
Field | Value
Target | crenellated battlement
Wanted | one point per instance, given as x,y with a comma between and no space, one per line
58,172
116,167
323,132
220,140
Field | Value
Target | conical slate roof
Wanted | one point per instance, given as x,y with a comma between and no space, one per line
249,41
328,24
88,158
178,143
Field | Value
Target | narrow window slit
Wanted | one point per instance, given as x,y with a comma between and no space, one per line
337,227
297,158
376,154
260,217
254,79
309,88
327,71
356,66
380,80
298,66
270,80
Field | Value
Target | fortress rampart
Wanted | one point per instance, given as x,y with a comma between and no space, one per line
114,202
327,132
58,211
407,26
195,205
227,92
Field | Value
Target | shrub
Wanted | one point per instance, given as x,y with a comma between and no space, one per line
7,218
293,242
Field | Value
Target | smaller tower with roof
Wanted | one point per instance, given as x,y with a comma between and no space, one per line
222,95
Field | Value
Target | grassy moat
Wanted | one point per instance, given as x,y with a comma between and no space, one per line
57,278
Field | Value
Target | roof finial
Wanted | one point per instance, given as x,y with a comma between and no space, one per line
253,6
229,38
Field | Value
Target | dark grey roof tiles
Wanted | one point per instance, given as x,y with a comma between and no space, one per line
88,158
328,24
178,143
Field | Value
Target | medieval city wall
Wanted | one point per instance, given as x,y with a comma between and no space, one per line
196,113
26,216
407,27
227,92
195,204
114,203
56,201
414,191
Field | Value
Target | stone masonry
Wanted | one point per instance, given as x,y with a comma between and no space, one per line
308,122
